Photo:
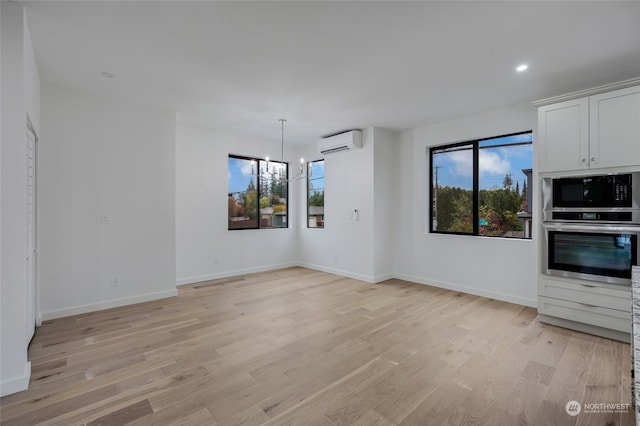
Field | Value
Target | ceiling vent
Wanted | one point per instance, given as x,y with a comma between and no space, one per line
347,141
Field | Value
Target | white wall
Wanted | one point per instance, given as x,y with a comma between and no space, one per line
31,80
345,246
386,203
494,267
19,86
100,157
386,181
202,233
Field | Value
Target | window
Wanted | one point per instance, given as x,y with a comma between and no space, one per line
482,187
315,194
257,193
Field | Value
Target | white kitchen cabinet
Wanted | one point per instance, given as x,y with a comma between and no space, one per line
609,319
591,132
563,136
597,308
615,128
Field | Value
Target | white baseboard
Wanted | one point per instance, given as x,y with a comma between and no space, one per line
341,272
369,279
83,309
233,273
470,290
384,277
434,283
18,384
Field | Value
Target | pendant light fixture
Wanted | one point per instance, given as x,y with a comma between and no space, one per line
301,174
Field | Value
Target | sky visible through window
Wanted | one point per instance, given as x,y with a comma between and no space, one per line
317,175
455,167
240,174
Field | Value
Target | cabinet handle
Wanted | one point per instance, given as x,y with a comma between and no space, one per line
587,305
584,160
588,286
593,158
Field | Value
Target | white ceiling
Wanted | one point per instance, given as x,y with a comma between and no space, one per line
332,66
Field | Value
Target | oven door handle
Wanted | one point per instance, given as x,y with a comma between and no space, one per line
591,227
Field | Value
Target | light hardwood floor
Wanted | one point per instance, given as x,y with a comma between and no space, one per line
300,347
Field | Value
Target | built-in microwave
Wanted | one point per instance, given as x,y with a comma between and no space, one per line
594,198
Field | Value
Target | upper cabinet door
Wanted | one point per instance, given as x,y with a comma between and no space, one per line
615,128
563,136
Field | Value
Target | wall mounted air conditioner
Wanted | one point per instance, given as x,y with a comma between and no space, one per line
346,141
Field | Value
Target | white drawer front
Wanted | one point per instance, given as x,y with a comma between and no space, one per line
586,313
606,297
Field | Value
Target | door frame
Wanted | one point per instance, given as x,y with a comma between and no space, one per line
36,282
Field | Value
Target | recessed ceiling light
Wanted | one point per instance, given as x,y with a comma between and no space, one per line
107,74
522,67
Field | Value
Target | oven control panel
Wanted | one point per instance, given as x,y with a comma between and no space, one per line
622,216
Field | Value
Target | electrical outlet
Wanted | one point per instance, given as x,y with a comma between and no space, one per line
216,260
115,280
106,219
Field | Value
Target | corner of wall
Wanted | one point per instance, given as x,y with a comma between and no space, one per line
14,367
16,384
31,79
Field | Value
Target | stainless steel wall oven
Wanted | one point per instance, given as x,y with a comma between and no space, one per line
591,227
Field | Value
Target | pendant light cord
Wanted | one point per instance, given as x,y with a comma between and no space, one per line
282,121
